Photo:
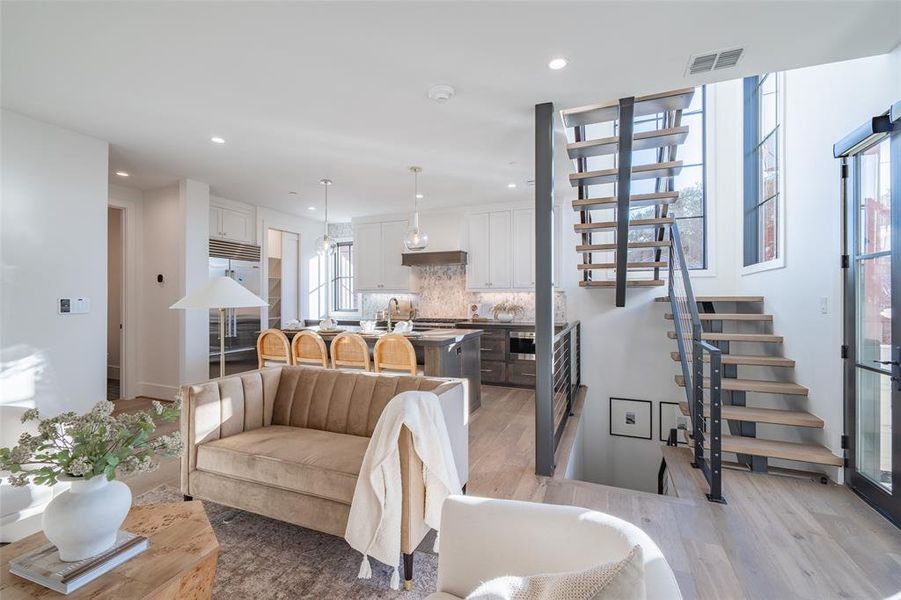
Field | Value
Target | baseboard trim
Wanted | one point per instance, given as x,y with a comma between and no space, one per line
154,390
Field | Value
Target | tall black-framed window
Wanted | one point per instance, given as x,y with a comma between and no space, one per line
691,209
343,297
762,168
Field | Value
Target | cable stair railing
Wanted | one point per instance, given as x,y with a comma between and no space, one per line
622,145
705,422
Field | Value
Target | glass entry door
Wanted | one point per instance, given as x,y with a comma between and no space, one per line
873,330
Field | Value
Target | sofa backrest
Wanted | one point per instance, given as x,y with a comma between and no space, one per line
340,401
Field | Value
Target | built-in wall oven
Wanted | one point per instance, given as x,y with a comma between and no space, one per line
522,345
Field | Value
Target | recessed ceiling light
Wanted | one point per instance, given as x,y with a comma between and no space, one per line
511,185
557,64
217,140
419,196
121,173
311,208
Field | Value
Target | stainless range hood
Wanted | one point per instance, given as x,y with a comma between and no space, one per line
421,259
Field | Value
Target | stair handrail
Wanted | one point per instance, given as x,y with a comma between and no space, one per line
687,323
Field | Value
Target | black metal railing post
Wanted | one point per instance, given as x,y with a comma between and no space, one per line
623,193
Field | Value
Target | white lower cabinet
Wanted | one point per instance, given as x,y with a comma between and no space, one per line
377,257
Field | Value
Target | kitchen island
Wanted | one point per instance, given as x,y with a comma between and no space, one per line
441,352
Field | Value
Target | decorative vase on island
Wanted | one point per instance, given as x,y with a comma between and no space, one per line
83,521
504,317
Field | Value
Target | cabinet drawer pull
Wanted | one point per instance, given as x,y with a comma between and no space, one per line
484,349
487,370
528,374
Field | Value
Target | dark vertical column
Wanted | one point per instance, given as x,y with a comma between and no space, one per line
544,289
623,193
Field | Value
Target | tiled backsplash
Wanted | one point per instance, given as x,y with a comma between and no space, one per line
443,295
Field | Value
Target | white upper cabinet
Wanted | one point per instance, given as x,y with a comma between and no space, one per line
498,243
477,258
395,276
367,256
377,257
524,248
500,249
232,223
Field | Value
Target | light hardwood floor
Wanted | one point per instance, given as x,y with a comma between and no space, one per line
777,538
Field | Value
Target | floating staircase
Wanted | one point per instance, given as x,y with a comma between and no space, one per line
742,418
634,244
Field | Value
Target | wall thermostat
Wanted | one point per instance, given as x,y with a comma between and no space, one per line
74,306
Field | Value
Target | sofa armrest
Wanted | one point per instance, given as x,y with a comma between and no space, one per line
485,538
454,399
223,407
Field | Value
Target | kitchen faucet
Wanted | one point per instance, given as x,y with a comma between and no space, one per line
396,306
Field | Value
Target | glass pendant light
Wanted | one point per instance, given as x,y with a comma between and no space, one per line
416,238
325,246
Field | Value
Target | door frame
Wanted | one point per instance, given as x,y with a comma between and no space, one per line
131,230
848,149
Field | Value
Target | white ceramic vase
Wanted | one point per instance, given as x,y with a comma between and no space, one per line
504,317
83,521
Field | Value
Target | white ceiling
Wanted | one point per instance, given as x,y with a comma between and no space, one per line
306,90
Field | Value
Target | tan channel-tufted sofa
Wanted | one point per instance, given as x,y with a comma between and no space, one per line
287,442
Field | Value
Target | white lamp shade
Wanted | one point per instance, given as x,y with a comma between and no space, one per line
220,292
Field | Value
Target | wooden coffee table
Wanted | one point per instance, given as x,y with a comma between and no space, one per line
180,563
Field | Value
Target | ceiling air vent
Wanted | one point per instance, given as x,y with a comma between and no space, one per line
713,61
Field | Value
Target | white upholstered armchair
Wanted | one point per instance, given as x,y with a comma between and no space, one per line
485,538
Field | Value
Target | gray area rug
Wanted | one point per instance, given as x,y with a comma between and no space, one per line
261,558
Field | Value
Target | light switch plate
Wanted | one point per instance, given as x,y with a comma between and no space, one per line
74,306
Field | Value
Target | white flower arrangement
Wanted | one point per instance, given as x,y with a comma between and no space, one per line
96,443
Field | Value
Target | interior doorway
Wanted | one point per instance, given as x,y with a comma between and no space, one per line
115,300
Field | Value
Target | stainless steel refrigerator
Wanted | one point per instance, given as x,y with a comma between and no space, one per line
241,262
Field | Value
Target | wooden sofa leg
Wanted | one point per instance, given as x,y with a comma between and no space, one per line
187,498
408,572
464,489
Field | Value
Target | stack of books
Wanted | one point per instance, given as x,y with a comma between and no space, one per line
44,567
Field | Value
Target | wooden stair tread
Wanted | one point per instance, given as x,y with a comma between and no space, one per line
630,265
751,299
809,453
749,360
660,222
644,105
637,200
793,418
643,140
728,317
755,385
639,172
629,283
631,246
735,337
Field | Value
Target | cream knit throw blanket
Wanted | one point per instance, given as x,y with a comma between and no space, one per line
373,527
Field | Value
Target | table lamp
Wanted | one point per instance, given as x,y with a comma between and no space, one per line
220,293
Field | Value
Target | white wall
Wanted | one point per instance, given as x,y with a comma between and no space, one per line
159,352
194,272
822,104
54,210
625,351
